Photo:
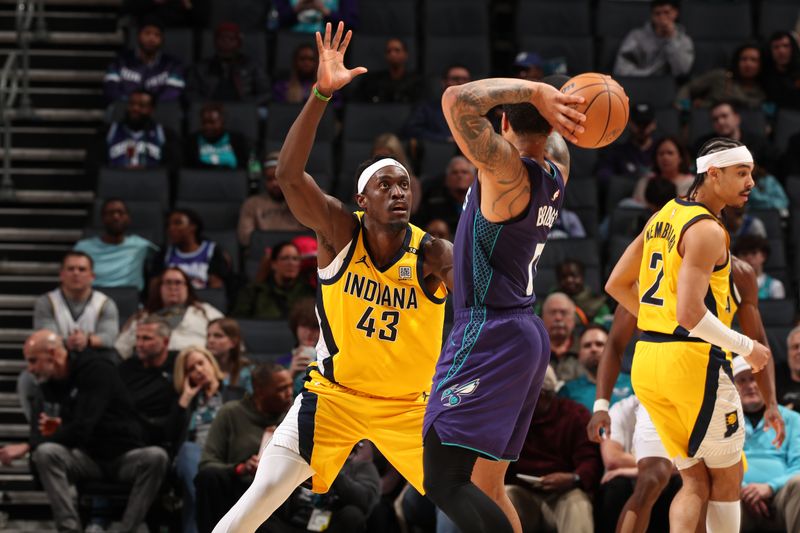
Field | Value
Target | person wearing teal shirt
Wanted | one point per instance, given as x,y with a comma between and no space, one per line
771,486
582,389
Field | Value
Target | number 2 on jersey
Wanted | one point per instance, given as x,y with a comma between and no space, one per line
649,297
390,319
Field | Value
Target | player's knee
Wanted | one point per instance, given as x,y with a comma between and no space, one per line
652,479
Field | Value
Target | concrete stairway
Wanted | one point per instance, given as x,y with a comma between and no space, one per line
51,201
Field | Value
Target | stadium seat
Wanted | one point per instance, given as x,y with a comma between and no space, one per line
212,185
178,42
451,18
250,15
793,192
215,297
285,45
267,336
777,253
627,222
619,188
607,53
706,19
777,15
577,51
772,221
668,122
777,312
229,242
787,124
126,299
396,18
554,17
353,154
587,215
365,121
712,53
282,115
319,165
254,46
472,52
617,244
584,195
241,117
134,184
615,18
584,250
369,51
168,114
581,162
435,157
216,215
777,337
659,92
145,215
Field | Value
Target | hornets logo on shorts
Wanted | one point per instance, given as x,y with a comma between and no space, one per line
452,396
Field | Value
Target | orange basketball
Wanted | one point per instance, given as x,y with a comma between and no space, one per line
605,106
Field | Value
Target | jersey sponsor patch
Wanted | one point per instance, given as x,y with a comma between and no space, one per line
404,272
452,395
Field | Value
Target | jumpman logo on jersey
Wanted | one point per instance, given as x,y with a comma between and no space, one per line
362,260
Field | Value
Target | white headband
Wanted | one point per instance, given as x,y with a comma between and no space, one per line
725,158
373,168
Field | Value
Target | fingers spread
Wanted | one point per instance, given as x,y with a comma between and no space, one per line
338,37
320,46
327,35
346,41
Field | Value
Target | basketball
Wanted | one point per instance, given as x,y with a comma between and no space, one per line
605,106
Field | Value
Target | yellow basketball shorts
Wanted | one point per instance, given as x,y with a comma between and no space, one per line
328,420
688,392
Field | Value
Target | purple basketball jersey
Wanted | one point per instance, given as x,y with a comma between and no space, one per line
496,263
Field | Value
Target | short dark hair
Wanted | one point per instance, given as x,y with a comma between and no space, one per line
592,326
77,253
570,262
734,66
734,105
193,217
658,3
216,107
683,153
150,94
451,67
659,191
711,146
112,200
303,313
751,243
262,373
525,119
399,40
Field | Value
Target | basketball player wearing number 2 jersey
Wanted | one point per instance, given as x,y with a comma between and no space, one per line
380,306
492,366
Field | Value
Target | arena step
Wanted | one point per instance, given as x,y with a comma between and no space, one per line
47,154
66,75
14,431
43,217
63,137
28,267
116,38
56,114
57,178
20,251
16,284
17,318
32,196
10,399
13,366
16,481
72,3
17,301
40,235
61,21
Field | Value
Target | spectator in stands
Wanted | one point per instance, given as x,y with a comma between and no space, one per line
591,307
771,487
273,298
740,83
305,327
782,70
558,450
207,265
389,145
266,211
145,69
653,487
672,163
635,156
529,66
235,440
307,246
93,436
171,297
755,251
148,379
558,315
224,341
310,16
198,382
444,197
229,75
119,258
395,84
568,225
427,120
439,229
214,146
727,122
739,223
138,141
787,374
582,389
768,192
659,48
658,192
303,75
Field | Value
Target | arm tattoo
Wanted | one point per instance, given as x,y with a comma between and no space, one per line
557,149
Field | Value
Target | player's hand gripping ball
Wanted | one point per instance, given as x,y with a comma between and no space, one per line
605,106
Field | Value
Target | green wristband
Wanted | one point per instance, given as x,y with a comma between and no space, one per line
321,96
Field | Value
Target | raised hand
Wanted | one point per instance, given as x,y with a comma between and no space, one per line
332,75
557,109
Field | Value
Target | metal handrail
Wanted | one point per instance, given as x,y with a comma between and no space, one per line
9,89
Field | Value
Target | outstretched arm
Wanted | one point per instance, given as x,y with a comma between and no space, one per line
312,207
504,181
623,283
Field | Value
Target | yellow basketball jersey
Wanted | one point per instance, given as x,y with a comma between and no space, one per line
381,329
661,262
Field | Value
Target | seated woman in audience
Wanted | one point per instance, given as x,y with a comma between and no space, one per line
755,251
389,145
207,265
172,297
672,163
305,328
224,341
273,298
741,83
199,382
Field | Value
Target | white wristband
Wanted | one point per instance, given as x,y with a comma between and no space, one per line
713,331
600,405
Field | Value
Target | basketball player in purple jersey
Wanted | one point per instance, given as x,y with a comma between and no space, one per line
491,368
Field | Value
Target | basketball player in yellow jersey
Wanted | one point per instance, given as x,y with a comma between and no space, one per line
675,277
381,311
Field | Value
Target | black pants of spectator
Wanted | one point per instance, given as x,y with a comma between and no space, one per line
612,496
218,489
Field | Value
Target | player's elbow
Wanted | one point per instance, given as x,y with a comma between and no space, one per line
689,315
450,95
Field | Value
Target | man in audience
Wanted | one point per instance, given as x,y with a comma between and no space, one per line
787,375
754,251
148,379
229,75
94,435
565,466
119,258
214,146
395,84
635,156
771,487
726,122
267,211
427,121
590,306
444,198
582,389
235,440
659,48
145,69
529,66
558,315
